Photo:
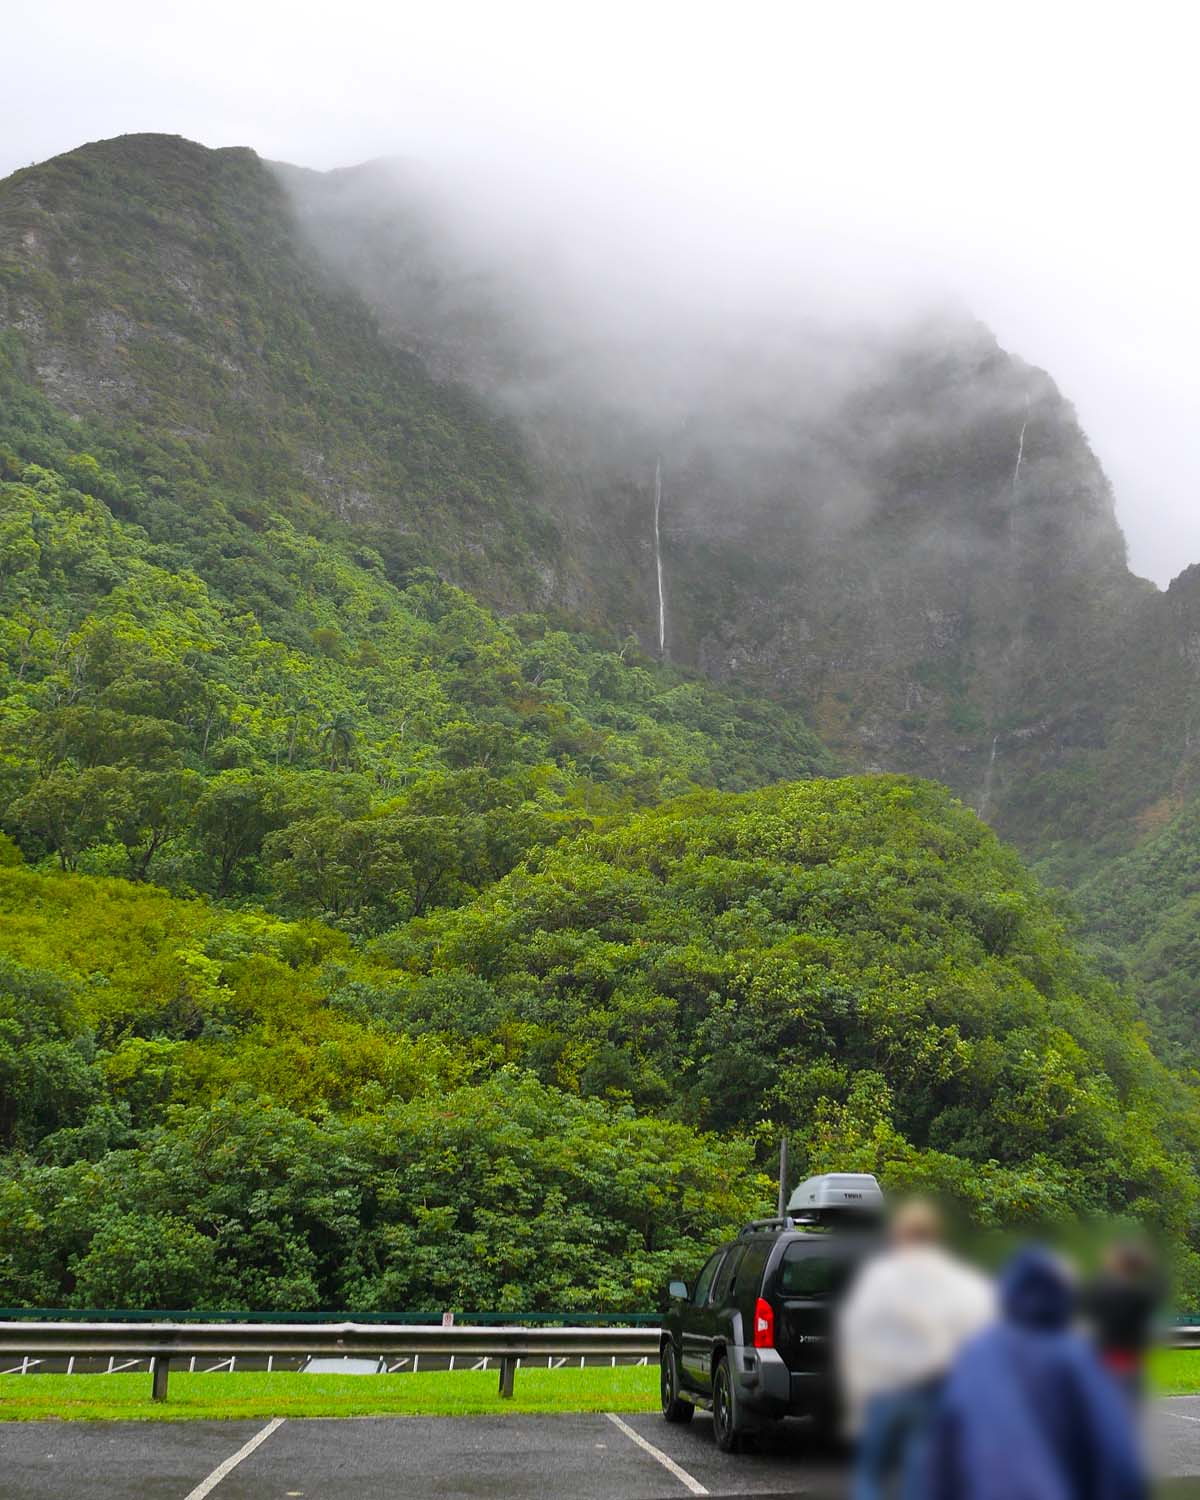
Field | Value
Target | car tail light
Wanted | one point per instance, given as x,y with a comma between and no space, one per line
764,1325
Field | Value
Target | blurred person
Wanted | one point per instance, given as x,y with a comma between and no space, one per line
1028,1412
904,1321
1119,1306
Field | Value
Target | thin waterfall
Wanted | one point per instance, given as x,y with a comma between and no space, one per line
1016,473
1020,455
985,800
658,563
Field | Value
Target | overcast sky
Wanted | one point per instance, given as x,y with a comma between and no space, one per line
1037,162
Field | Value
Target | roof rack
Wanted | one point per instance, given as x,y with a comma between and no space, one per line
765,1226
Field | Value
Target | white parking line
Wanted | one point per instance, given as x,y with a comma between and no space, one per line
656,1453
206,1486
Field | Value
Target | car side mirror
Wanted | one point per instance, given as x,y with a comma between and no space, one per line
677,1291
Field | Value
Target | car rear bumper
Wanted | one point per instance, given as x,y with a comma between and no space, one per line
767,1387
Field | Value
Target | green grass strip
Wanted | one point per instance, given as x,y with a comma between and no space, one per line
1176,1372
126,1397
460,1393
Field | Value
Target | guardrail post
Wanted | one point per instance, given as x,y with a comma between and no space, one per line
508,1370
160,1368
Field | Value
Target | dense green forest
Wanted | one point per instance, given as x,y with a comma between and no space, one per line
371,940
556,1093
196,1116
1143,913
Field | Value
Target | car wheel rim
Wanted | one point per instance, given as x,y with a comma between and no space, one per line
722,1405
668,1384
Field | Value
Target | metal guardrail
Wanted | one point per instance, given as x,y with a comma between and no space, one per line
163,1342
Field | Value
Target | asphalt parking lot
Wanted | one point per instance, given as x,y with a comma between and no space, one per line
592,1457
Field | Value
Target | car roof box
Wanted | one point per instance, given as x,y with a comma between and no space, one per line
836,1193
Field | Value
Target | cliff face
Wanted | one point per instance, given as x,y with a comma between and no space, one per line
902,528
934,571
904,531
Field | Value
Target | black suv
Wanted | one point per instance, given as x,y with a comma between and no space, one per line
753,1337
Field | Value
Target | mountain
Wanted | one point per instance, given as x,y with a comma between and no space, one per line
902,531
899,527
419,693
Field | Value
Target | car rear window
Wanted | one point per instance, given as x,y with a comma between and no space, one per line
806,1271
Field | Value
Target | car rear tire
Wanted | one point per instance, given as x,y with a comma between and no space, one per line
726,1429
674,1407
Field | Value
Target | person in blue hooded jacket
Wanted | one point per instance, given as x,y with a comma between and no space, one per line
1028,1412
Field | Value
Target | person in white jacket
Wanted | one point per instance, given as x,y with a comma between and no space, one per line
907,1316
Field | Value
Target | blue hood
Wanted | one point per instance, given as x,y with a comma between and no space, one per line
1036,1291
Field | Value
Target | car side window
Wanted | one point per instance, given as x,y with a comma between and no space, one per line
705,1279
727,1276
750,1272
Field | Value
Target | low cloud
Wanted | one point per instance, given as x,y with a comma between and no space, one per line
848,166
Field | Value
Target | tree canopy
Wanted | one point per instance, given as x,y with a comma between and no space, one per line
562,1090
